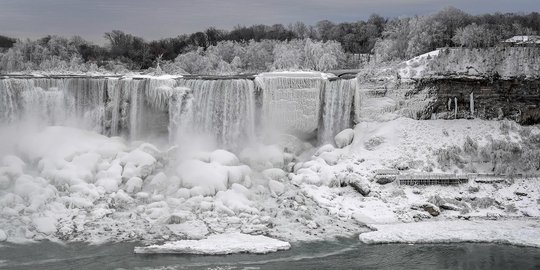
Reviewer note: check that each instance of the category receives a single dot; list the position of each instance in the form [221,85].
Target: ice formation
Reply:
[226,243]
[121,159]
[291,104]
[223,108]
[338,101]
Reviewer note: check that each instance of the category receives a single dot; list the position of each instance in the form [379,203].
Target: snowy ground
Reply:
[82,186]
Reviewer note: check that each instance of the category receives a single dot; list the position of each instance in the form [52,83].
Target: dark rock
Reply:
[430,208]
[520,193]
[361,186]
[385,179]
[451,207]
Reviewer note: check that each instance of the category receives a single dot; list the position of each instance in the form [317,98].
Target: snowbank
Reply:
[227,243]
[515,232]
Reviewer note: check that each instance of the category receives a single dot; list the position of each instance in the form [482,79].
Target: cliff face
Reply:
[515,99]
[493,83]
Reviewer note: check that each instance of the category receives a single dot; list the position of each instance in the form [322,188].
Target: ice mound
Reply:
[219,244]
[206,178]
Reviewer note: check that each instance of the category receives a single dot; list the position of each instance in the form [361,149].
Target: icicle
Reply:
[455,107]
[449,103]
[472,103]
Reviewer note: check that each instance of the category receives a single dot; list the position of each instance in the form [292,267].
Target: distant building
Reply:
[522,41]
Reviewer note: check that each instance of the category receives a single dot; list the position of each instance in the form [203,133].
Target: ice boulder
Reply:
[45,225]
[276,188]
[238,174]
[208,178]
[192,229]
[236,199]
[13,166]
[344,138]
[275,174]
[263,157]
[142,161]
[3,236]
[224,157]
[110,185]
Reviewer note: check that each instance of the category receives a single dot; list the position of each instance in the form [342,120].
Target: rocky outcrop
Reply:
[516,99]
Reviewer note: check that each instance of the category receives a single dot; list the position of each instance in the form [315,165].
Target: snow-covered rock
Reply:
[275,174]
[134,185]
[344,138]
[3,236]
[227,243]
[192,229]
[277,188]
[224,157]
[208,177]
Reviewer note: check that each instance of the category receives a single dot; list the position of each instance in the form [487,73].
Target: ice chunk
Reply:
[224,158]
[208,177]
[227,243]
[275,174]
[46,225]
[3,236]
[344,138]
[276,188]
[109,184]
[237,199]
[263,157]
[192,229]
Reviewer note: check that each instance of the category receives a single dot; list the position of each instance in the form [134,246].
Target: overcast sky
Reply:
[154,19]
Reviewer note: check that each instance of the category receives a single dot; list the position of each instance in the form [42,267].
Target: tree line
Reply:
[325,45]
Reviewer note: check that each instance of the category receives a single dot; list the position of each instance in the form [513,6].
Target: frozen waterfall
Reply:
[228,111]
[338,101]
[291,104]
[223,109]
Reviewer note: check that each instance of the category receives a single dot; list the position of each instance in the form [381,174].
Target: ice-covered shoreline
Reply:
[518,232]
[82,186]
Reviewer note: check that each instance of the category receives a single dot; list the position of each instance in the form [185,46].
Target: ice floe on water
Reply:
[226,243]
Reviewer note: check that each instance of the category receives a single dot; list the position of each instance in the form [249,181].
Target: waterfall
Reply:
[338,99]
[223,109]
[291,104]
[180,113]
[226,110]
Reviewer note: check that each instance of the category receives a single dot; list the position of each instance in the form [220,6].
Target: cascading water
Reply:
[223,109]
[291,104]
[338,101]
